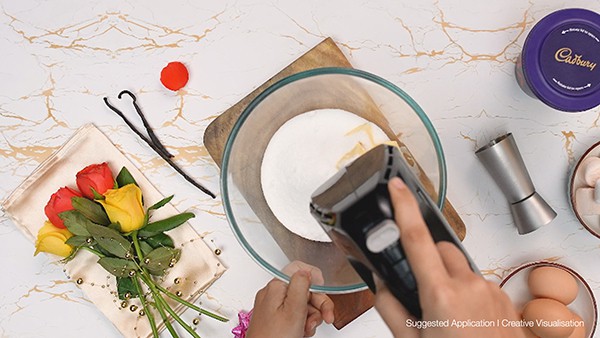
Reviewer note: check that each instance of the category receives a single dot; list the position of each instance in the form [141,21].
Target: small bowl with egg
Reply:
[554,300]
[294,136]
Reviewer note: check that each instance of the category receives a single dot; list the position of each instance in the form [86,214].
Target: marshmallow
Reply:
[584,202]
[591,170]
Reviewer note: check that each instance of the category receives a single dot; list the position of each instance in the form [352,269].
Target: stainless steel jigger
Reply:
[503,161]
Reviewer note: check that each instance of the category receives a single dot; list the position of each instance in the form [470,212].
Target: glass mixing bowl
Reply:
[253,221]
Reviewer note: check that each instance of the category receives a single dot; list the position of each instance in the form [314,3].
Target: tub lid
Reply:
[560,60]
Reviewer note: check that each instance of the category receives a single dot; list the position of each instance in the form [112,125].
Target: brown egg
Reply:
[529,333]
[554,283]
[579,331]
[548,314]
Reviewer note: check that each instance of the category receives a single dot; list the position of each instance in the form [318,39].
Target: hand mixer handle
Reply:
[385,252]
[354,208]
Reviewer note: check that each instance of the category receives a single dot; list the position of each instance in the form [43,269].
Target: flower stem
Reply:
[162,305]
[95,252]
[162,313]
[136,245]
[190,305]
[139,290]
[176,317]
[148,281]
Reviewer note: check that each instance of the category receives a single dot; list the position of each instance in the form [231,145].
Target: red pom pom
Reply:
[174,76]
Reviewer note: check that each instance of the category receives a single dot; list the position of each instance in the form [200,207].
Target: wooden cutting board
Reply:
[326,54]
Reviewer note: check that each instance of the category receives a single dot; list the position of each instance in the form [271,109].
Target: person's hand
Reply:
[448,288]
[290,311]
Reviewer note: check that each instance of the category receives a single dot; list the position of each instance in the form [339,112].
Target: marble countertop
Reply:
[455,58]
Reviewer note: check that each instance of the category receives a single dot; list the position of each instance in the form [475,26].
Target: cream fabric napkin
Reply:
[196,270]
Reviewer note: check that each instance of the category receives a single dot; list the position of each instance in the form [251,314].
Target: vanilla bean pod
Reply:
[153,139]
[153,142]
[149,129]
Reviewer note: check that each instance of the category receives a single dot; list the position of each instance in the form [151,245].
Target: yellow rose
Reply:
[124,206]
[52,240]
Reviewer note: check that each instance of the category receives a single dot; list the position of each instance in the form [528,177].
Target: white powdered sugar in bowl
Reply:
[305,152]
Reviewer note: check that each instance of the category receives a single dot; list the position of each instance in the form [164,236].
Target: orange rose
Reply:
[95,176]
[60,201]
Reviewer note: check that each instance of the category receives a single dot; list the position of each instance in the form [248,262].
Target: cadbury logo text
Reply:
[565,55]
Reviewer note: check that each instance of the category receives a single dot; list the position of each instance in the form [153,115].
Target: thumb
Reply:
[297,293]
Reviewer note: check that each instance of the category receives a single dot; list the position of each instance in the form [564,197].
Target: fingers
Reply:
[325,306]
[454,260]
[274,292]
[392,312]
[313,320]
[297,292]
[316,275]
[421,251]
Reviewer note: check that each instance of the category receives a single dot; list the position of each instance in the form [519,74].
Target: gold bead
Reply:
[124,304]
[147,261]
[196,321]
[79,281]
[127,295]
[178,293]
[142,313]
[217,251]
[133,308]
[132,273]
[177,280]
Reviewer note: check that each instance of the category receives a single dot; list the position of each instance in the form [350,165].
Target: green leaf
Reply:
[126,285]
[111,240]
[75,222]
[117,266]
[160,240]
[101,249]
[97,196]
[90,209]
[115,226]
[79,241]
[166,224]
[146,248]
[161,203]
[124,178]
[160,259]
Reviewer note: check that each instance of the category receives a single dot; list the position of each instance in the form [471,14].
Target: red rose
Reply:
[96,176]
[60,201]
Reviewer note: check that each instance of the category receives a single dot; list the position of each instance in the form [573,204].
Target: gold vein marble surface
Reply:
[456,58]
